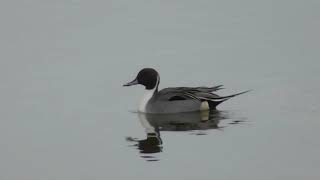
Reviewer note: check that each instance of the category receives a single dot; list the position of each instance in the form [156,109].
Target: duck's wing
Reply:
[193,93]
[206,89]
[187,93]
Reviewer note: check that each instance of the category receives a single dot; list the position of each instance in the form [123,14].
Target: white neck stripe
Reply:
[147,96]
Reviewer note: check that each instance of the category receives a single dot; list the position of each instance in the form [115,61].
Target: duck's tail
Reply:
[214,102]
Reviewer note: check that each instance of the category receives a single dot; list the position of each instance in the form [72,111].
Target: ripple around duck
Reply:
[197,123]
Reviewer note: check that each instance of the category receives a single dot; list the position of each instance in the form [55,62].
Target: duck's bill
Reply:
[134,82]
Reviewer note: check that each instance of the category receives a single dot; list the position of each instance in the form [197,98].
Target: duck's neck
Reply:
[147,96]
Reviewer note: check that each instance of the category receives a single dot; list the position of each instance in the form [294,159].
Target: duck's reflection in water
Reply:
[195,122]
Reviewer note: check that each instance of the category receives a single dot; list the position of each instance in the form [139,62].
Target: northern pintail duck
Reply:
[177,99]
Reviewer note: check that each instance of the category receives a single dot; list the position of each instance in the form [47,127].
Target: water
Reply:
[65,115]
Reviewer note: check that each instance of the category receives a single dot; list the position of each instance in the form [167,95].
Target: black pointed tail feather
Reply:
[213,103]
[233,95]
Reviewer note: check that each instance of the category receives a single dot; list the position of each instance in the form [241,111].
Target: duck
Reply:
[175,99]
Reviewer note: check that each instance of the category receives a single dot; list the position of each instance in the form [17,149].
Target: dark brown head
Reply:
[148,77]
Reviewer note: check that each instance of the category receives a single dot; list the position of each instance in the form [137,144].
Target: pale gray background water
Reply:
[65,115]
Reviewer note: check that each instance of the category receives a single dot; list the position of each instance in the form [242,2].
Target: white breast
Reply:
[145,99]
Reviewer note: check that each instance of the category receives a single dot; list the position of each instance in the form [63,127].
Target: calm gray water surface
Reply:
[65,115]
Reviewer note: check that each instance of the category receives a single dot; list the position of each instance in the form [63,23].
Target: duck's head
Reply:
[147,77]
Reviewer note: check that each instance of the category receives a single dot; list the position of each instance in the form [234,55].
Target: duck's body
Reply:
[175,100]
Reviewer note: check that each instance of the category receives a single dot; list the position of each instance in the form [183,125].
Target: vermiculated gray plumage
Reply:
[186,99]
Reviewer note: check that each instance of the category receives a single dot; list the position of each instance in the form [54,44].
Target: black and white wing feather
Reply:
[193,93]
